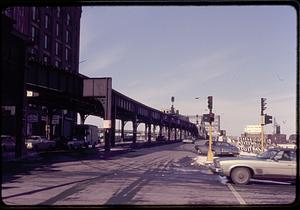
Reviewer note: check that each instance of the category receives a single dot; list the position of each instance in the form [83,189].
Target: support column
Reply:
[154,133]
[50,115]
[113,123]
[149,132]
[122,129]
[175,136]
[160,130]
[21,108]
[113,132]
[83,117]
[169,133]
[180,134]
[145,133]
[134,129]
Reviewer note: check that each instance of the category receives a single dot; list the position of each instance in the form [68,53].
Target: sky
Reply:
[237,54]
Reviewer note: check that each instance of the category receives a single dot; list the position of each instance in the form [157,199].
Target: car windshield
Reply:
[267,154]
[34,138]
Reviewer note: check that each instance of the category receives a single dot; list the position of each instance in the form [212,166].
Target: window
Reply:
[67,36]
[56,48]
[46,42]
[33,13]
[34,34]
[46,21]
[58,12]
[67,54]
[68,19]
[57,29]
[45,59]
[57,64]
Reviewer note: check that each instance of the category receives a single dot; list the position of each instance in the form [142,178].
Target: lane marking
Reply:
[236,194]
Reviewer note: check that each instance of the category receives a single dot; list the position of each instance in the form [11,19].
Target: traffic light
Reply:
[206,118]
[263,105]
[209,117]
[268,119]
[210,102]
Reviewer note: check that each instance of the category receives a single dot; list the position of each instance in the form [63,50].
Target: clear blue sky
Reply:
[237,54]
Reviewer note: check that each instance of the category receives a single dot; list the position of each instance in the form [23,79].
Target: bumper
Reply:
[216,170]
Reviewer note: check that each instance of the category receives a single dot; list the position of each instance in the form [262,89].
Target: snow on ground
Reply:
[201,161]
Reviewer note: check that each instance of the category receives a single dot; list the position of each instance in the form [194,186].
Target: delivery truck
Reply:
[89,133]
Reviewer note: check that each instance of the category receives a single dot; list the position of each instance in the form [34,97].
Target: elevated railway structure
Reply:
[60,89]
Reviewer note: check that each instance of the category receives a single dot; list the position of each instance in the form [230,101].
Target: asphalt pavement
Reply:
[153,176]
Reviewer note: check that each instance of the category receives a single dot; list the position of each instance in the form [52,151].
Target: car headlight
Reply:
[29,145]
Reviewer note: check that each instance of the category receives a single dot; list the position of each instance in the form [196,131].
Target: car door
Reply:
[281,166]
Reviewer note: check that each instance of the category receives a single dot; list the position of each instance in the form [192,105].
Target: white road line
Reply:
[236,194]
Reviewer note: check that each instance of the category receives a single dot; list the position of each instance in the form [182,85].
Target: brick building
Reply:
[55,32]
[55,36]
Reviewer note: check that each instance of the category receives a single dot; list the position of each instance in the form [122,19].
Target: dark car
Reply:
[161,138]
[218,148]
[8,143]
[61,142]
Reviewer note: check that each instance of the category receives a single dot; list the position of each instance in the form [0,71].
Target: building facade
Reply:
[55,36]
[55,32]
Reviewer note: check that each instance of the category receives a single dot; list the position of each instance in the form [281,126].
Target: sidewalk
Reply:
[119,148]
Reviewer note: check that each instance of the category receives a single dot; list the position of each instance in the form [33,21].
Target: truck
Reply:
[89,133]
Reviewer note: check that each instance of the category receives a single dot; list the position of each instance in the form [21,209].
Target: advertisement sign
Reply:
[32,118]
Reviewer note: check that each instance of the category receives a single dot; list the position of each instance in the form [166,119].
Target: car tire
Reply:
[35,148]
[240,175]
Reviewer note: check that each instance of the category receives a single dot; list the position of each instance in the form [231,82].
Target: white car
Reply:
[39,143]
[188,141]
[280,165]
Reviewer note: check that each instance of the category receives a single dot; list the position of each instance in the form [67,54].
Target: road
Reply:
[161,175]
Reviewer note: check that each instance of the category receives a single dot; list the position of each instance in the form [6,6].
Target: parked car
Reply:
[218,148]
[39,143]
[61,142]
[161,138]
[188,140]
[76,143]
[268,154]
[8,143]
[280,166]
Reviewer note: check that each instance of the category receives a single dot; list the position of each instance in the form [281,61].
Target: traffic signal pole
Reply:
[210,155]
[262,133]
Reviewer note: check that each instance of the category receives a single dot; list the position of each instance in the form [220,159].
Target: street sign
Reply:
[32,118]
[55,120]
[106,123]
